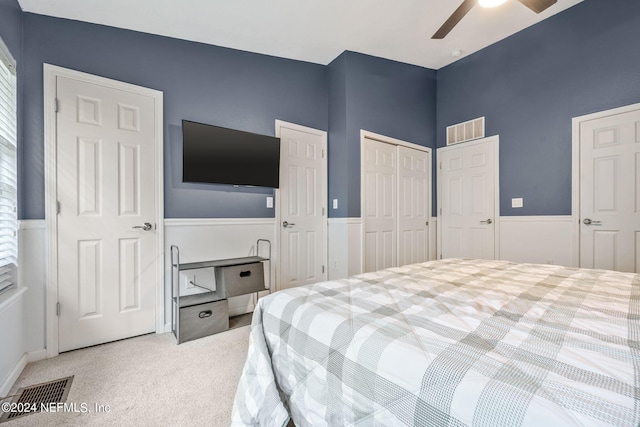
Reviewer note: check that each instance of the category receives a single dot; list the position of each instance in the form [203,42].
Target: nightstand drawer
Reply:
[240,279]
[200,320]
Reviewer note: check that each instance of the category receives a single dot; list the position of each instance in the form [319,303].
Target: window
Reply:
[8,170]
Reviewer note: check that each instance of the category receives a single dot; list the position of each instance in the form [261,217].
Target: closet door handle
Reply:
[488,221]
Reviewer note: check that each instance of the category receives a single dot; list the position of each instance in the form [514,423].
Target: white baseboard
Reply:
[167,328]
[13,376]
[11,379]
[34,356]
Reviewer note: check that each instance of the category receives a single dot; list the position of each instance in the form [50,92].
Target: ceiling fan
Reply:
[536,5]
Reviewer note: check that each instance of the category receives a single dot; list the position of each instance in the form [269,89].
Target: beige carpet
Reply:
[146,381]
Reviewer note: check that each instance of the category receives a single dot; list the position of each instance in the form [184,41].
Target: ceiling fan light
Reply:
[491,3]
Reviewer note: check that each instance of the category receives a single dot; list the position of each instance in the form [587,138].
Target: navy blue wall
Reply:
[529,87]
[382,96]
[200,82]
[337,145]
[11,35]
[11,27]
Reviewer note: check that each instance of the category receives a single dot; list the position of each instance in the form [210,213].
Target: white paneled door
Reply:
[380,209]
[107,208]
[414,207]
[468,196]
[303,196]
[396,202]
[610,192]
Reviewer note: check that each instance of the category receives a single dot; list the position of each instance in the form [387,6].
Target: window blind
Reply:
[8,170]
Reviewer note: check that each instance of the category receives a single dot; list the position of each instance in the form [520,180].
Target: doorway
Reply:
[103,149]
[302,200]
[606,184]
[468,198]
[395,202]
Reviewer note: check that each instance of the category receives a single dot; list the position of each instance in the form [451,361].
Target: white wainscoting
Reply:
[12,355]
[214,238]
[537,239]
[345,252]
[22,314]
[345,246]
[433,238]
[32,256]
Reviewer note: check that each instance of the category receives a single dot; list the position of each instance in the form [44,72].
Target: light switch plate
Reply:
[269,202]
[335,203]
[516,203]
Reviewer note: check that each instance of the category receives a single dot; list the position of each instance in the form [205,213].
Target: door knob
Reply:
[589,221]
[488,221]
[145,227]
[286,224]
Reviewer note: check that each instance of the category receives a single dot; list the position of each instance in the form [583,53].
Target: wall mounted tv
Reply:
[218,155]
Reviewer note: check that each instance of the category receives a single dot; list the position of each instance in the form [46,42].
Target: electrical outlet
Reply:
[516,202]
[189,280]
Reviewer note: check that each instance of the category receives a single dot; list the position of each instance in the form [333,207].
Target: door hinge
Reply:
[440,165]
[426,223]
[440,211]
[57,309]
[55,105]
[322,211]
[57,207]
[323,269]
[323,153]
[440,256]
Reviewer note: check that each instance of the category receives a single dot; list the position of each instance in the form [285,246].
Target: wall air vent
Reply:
[466,131]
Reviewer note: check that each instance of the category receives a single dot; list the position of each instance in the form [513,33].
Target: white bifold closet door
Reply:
[380,216]
[414,207]
[396,205]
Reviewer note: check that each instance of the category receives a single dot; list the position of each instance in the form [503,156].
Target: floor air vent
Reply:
[29,400]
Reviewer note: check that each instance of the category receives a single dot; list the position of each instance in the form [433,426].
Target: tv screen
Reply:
[213,154]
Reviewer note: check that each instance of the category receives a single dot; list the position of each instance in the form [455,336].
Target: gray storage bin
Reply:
[241,279]
[200,320]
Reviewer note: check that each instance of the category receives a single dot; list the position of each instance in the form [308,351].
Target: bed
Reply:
[454,342]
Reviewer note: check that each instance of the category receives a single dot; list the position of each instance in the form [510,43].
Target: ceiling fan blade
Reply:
[538,5]
[459,13]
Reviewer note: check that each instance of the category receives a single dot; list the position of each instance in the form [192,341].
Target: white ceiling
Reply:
[307,30]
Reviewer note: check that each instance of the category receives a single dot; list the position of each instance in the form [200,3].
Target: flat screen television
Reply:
[218,155]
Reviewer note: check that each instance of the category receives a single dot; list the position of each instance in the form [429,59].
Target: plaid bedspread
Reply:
[448,343]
